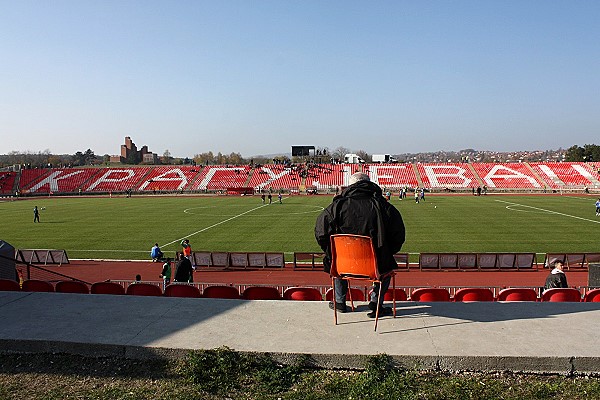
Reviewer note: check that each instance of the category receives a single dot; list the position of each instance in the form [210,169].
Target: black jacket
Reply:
[554,281]
[184,271]
[361,210]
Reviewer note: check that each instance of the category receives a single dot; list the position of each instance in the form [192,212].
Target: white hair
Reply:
[357,177]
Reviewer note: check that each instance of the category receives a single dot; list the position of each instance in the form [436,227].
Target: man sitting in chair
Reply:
[361,209]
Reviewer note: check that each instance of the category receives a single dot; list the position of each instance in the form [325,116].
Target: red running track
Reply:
[96,271]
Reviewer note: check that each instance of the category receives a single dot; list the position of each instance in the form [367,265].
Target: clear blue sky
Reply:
[257,77]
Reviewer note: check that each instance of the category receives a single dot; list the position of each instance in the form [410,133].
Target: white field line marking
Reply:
[549,211]
[214,225]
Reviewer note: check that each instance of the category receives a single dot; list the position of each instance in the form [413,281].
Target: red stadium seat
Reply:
[221,292]
[34,285]
[182,290]
[261,293]
[143,289]
[400,295]
[561,295]
[517,294]
[72,287]
[107,288]
[430,294]
[356,293]
[592,296]
[474,294]
[9,285]
[302,294]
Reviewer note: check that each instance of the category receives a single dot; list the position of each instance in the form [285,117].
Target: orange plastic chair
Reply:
[143,289]
[261,293]
[430,294]
[353,294]
[221,292]
[107,288]
[592,296]
[302,294]
[517,294]
[34,285]
[72,287]
[8,285]
[561,295]
[353,258]
[182,290]
[473,294]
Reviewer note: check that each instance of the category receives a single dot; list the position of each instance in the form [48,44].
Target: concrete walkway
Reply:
[534,337]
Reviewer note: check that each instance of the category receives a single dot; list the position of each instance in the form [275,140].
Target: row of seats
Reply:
[7,182]
[467,261]
[557,175]
[433,175]
[300,293]
[273,177]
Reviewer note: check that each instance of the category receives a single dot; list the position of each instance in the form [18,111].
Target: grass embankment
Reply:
[225,374]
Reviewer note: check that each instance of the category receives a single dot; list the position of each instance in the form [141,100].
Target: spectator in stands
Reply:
[138,279]
[36,214]
[156,254]
[166,273]
[361,209]
[557,277]
[183,270]
[187,249]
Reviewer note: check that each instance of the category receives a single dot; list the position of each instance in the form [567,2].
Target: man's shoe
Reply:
[340,307]
[383,311]
[372,306]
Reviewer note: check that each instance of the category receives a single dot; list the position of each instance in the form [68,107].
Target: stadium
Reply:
[220,210]
[169,271]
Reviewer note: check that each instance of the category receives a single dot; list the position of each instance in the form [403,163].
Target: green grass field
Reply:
[126,228]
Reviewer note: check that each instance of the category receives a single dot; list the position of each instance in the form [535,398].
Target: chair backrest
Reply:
[144,289]
[561,295]
[357,294]
[221,292]
[430,294]
[592,296]
[302,294]
[182,290]
[517,294]
[474,294]
[353,256]
[72,287]
[107,288]
[9,285]
[261,293]
[34,285]
[400,295]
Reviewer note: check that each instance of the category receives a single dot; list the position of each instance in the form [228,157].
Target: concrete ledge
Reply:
[424,336]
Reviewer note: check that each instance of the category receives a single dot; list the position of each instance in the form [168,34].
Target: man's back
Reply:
[362,210]
[184,271]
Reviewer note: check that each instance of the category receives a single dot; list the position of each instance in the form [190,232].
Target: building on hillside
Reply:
[143,155]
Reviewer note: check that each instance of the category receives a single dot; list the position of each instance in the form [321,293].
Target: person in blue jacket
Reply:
[156,254]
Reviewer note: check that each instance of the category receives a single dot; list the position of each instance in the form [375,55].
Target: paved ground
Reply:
[537,337]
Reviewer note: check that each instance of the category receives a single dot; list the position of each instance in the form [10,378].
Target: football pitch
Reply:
[126,228]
